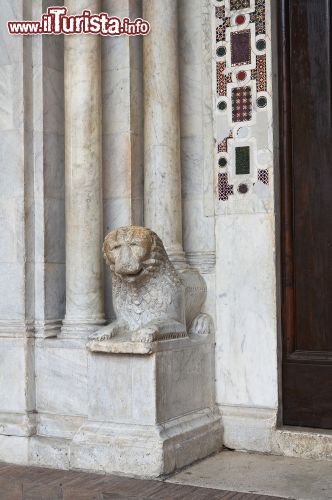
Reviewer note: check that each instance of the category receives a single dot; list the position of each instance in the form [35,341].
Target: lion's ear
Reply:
[106,251]
[157,245]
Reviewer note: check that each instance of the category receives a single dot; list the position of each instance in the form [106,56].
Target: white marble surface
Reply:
[70,384]
[145,389]
[248,428]
[54,425]
[127,391]
[122,88]
[149,450]
[12,246]
[12,375]
[196,144]
[83,174]
[246,349]
[246,296]
[47,138]
[16,266]
[184,381]
[14,449]
[61,380]
[162,161]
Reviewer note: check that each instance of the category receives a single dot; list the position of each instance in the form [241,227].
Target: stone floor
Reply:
[228,476]
[296,478]
[34,483]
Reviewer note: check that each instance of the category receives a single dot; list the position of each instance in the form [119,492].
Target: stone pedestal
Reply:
[150,411]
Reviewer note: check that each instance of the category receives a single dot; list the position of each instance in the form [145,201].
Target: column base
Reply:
[80,328]
[48,328]
[178,258]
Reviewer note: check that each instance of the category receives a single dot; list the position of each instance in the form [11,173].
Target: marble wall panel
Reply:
[10,46]
[12,270]
[11,157]
[14,450]
[246,342]
[12,289]
[61,379]
[14,393]
[8,244]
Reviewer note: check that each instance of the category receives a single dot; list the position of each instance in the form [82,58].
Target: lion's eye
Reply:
[133,245]
[116,247]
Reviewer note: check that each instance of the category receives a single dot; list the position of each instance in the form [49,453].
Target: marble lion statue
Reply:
[151,299]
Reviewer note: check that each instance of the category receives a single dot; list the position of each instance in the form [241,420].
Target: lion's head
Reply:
[133,252]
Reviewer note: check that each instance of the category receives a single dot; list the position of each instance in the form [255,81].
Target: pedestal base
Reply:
[151,407]
[146,451]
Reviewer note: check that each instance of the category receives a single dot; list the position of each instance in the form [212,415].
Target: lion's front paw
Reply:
[105,333]
[201,325]
[100,336]
[145,334]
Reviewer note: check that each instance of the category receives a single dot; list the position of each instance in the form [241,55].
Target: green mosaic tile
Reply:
[242,160]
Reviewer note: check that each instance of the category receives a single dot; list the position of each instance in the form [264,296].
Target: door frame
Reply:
[286,185]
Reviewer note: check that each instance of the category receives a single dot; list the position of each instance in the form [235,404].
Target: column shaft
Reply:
[162,196]
[84,297]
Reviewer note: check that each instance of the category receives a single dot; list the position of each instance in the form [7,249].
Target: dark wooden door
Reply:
[306,210]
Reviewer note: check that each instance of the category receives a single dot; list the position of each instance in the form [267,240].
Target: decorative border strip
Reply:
[243,105]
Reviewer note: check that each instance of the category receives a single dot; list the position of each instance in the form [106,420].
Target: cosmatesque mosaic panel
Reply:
[243,107]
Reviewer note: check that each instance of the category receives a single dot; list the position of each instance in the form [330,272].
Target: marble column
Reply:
[162,180]
[122,85]
[83,157]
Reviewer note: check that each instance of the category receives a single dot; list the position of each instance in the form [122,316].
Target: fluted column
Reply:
[84,297]
[162,181]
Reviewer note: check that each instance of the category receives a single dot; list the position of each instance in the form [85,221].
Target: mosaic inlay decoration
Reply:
[240,47]
[243,108]
[241,104]
[242,160]
[239,4]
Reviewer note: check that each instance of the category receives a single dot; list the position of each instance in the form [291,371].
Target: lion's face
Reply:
[128,251]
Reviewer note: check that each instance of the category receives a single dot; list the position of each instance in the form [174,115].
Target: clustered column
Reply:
[84,296]
[162,169]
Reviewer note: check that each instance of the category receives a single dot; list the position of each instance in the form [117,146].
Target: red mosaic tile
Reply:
[241,75]
[240,20]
